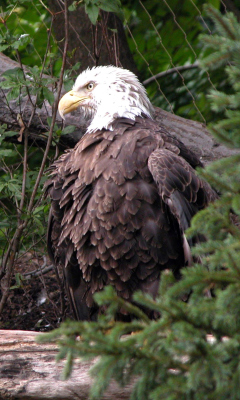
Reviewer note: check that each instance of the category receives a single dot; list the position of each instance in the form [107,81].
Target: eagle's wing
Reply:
[180,188]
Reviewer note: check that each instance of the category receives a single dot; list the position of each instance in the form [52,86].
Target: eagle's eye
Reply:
[90,86]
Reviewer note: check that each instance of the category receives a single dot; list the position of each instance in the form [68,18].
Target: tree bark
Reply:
[101,44]
[28,371]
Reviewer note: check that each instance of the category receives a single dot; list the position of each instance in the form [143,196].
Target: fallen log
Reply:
[29,371]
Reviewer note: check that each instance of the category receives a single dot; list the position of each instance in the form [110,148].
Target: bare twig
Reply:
[170,72]
[24,76]
[8,263]
[31,203]
[41,73]
[25,158]
[38,272]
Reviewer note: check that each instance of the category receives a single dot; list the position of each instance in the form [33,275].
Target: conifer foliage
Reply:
[193,350]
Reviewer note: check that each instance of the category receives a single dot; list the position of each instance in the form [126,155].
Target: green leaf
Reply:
[92,12]
[19,280]
[113,6]
[76,66]
[73,6]
[215,3]
[13,72]
[48,95]
[69,129]
[10,133]
[68,84]
[23,40]
[49,121]
[236,204]
[14,189]
[38,209]
[13,94]
[4,47]
[40,97]
[2,186]
[7,153]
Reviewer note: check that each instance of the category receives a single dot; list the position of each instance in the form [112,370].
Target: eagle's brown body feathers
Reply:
[121,201]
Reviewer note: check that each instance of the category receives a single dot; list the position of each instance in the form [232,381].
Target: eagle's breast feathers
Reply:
[121,201]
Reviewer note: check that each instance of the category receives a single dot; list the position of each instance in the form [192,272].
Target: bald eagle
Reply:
[122,199]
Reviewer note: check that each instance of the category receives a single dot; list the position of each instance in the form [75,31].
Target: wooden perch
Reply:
[28,371]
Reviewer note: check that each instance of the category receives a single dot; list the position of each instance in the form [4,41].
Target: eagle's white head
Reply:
[104,94]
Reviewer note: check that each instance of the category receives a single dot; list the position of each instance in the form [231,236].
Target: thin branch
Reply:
[41,73]
[171,71]
[8,263]
[31,203]
[24,76]
[25,158]
[38,272]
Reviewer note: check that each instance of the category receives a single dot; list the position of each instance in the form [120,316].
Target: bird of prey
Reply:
[122,199]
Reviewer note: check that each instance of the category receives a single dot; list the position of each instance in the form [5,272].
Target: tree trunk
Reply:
[92,45]
[29,371]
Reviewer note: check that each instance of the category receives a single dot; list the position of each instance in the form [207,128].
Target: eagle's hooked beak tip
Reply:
[70,102]
[61,113]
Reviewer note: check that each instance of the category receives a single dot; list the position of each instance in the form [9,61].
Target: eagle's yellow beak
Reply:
[70,102]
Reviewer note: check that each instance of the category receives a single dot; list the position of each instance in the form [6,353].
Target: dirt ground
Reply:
[37,302]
